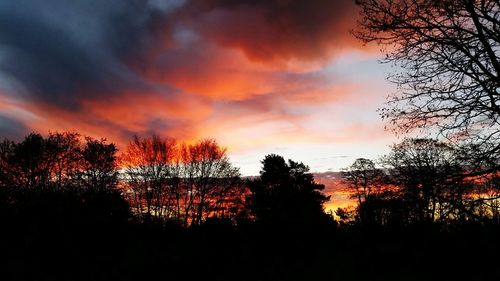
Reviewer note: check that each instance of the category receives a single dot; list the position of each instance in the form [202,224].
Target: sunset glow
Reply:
[249,140]
[259,76]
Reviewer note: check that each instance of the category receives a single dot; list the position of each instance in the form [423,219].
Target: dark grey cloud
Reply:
[59,52]
[56,51]
[11,128]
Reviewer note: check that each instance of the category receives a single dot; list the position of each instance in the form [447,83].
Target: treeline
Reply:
[76,208]
[420,181]
[160,179]
[424,181]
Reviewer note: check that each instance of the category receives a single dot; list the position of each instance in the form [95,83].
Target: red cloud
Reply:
[276,31]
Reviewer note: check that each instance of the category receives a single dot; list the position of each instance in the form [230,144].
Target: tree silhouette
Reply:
[286,193]
[148,164]
[33,162]
[61,165]
[213,185]
[64,214]
[187,183]
[98,167]
[59,204]
[363,179]
[58,160]
[448,53]
[427,173]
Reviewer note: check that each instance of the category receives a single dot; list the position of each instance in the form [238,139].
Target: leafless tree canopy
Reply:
[362,178]
[187,183]
[425,172]
[421,181]
[447,58]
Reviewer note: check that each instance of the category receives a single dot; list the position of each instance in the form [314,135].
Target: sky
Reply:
[259,76]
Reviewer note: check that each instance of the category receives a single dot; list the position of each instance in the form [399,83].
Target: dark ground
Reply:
[46,249]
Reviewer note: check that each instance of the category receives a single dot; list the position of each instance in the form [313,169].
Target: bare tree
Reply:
[211,181]
[187,183]
[362,178]
[428,175]
[147,164]
[447,53]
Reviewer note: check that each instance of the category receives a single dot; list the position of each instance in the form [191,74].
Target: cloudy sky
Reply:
[260,76]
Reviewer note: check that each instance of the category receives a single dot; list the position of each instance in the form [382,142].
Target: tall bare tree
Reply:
[362,178]
[187,183]
[147,166]
[428,175]
[447,53]
[211,181]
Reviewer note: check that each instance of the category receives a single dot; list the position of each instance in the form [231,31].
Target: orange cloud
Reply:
[134,112]
[226,74]
[251,73]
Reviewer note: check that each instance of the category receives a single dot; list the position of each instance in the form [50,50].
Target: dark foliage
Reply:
[421,181]
[286,193]
[64,216]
